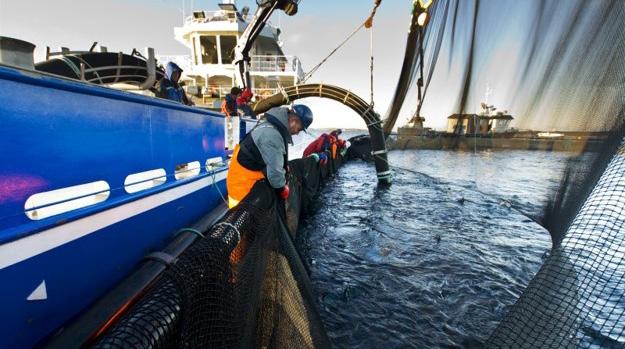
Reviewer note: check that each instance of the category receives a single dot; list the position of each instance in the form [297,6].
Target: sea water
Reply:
[436,259]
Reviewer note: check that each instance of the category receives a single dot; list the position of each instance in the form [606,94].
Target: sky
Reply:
[550,65]
[318,27]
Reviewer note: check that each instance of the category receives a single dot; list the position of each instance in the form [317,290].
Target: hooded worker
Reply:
[263,153]
[168,87]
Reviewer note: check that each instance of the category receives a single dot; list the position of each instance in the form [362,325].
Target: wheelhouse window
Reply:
[208,44]
[228,42]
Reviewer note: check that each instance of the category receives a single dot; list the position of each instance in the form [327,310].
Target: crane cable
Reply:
[314,69]
[367,24]
[370,27]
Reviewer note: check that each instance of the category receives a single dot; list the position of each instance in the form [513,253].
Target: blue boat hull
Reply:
[59,133]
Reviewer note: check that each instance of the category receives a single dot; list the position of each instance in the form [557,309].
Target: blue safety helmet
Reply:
[305,115]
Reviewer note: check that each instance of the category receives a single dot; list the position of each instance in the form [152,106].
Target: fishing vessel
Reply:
[212,36]
[97,172]
[103,186]
[92,179]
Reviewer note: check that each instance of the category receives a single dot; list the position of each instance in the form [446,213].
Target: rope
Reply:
[284,94]
[190,230]
[230,225]
[371,64]
[369,108]
[315,68]
[512,205]
[375,123]
[346,96]
[367,24]
[217,186]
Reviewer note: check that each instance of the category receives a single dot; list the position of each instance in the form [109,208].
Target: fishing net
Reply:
[577,298]
[556,67]
[559,68]
[241,285]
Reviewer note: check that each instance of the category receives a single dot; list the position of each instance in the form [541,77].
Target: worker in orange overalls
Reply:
[263,153]
[333,143]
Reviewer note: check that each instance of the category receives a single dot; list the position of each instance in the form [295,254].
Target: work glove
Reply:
[323,159]
[284,192]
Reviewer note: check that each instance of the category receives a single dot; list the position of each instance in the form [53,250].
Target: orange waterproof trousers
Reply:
[240,180]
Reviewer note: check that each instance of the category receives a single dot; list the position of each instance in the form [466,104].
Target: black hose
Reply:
[349,99]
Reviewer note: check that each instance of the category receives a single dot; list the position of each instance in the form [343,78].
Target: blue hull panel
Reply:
[58,133]
[79,272]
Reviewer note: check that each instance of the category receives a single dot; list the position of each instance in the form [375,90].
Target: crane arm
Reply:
[251,32]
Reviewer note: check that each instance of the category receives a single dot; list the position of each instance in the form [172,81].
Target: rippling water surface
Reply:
[434,260]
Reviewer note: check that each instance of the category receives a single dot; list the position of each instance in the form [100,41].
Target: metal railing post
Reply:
[151,67]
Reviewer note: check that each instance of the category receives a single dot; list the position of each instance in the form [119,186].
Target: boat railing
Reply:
[213,94]
[211,16]
[262,93]
[271,63]
[220,91]
[64,51]
[83,69]
[146,84]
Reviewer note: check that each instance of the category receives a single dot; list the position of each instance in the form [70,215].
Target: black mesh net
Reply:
[577,298]
[559,67]
[241,285]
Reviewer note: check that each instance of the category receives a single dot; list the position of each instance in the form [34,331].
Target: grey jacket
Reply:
[271,146]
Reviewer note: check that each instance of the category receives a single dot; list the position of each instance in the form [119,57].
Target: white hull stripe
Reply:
[19,250]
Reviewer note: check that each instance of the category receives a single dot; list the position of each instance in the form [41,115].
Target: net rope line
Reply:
[315,68]
[589,253]
[371,64]
[229,225]
[368,23]
[215,184]
[512,206]
[190,230]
